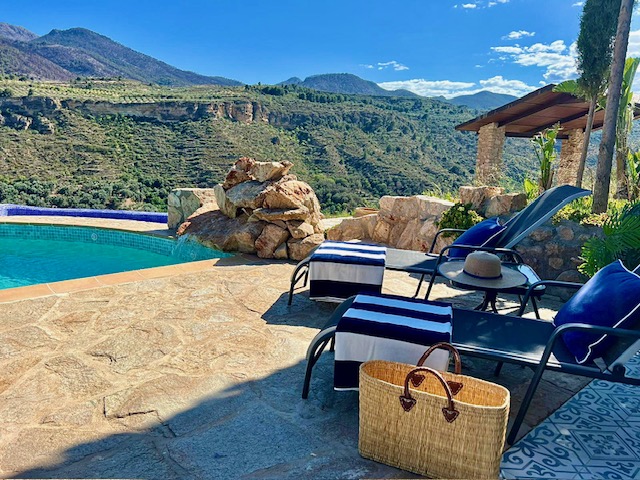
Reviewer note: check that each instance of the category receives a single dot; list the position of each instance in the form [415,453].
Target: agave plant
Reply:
[545,148]
[621,241]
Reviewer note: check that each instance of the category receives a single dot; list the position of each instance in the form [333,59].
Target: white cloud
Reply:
[515,50]
[578,4]
[398,67]
[469,5]
[517,34]
[559,63]
[365,65]
[449,88]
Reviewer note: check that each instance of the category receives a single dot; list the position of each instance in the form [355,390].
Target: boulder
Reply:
[216,230]
[291,194]
[235,177]
[381,231]
[431,206]
[478,196]
[263,171]
[362,211]
[300,229]
[183,202]
[504,204]
[360,228]
[225,205]
[409,239]
[270,239]
[247,195]
[299,249]
[398,208]
[281,252]
[273,214]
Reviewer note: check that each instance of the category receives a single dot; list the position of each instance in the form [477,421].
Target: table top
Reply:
[511,278]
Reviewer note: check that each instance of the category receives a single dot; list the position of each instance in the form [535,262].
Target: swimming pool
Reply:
[33,254]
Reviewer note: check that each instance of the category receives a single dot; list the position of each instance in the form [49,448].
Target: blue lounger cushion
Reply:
[610,299]
[483,234]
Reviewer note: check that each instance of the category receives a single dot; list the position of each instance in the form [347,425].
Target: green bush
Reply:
[579,211]
[621,241]
[461,215]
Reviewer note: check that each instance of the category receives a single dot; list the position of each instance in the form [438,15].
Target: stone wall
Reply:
[402,222]
[554,250]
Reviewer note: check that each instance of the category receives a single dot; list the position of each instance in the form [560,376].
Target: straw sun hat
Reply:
[484,270]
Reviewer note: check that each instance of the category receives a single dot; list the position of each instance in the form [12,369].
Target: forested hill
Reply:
[120,144]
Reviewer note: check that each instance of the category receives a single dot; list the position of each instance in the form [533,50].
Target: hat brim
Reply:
[454,271]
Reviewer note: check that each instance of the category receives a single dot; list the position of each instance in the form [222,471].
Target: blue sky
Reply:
[433,47]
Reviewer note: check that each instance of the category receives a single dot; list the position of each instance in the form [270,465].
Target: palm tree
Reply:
[605,155]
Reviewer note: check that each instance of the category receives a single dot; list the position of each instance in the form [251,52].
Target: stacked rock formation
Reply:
[260,208]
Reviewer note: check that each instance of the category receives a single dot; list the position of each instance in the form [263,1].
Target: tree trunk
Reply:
[622,151]
[585,145]
[605,154]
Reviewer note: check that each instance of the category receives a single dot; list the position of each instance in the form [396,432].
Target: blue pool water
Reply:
[33,254]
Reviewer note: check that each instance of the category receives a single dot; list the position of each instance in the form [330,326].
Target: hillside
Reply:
[484,101]
[346,83]
[125,145]
[64,54]
[15,33]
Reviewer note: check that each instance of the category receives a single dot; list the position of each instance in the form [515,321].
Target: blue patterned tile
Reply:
[596,434]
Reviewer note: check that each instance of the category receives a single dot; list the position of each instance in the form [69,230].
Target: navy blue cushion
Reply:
[484,234]
[610,299]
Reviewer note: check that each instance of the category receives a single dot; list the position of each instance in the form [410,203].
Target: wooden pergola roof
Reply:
[537,111]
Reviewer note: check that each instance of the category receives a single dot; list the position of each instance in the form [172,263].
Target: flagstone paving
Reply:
[195,375]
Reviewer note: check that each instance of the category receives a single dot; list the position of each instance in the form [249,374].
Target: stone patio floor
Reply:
[198,374]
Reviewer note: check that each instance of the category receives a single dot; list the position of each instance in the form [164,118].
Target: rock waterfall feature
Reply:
[260,208]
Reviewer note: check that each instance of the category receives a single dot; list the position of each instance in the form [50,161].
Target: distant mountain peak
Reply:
[65,54]
[484,100]
[15,33]
[345,83]
[291,81]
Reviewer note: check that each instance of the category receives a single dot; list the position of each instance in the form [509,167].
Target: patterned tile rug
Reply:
[595,435]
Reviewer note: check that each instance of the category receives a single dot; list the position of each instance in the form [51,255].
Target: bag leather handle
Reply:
[408,402]
[455,386]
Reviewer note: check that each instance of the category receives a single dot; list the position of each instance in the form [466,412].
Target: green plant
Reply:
[530,188]
[621,241]
[545,149]
[439,192]
[633,176]
[461,215]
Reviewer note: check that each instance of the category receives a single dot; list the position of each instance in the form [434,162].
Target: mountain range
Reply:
[63,55]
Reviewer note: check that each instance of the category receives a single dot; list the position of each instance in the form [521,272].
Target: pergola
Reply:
[526,117]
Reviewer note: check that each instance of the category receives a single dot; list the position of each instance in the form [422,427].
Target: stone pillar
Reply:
[489,158]
[570,158]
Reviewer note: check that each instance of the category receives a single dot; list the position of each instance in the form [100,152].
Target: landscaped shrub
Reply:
[621,241]
[461,215]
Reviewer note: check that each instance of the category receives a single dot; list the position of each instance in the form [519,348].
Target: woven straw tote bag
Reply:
[442,425]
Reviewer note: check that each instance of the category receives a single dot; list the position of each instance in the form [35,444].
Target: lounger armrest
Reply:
[546,283]
[440,232]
